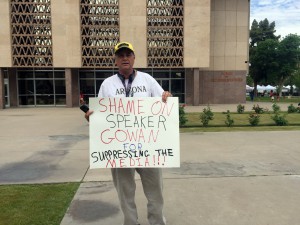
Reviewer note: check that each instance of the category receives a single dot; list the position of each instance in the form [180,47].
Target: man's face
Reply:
[125,59]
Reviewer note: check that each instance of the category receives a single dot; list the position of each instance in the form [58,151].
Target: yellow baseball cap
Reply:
[121,45]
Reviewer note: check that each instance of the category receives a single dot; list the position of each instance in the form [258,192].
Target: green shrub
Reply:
[292,108]
[258,109]
[276,108]
[229,121]
[279,120]
[240,108]
[182,116]
[206,116]
[254,119]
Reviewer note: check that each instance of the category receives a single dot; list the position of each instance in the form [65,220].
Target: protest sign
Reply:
[134,132]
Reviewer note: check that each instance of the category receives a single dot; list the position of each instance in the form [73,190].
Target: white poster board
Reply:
[134,132]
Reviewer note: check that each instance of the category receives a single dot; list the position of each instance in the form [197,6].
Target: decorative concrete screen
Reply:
[165,33]
[31,33]
[99,32]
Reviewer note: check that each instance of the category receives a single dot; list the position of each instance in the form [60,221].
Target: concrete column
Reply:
[133,28]
[13,90]
[196,87]
[5,34]
[66,46]
[189,86]
[72,92]
[68,75]
[2,97]
[197,22]
[75,87]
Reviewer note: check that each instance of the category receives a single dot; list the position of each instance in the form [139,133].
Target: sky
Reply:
[285,13]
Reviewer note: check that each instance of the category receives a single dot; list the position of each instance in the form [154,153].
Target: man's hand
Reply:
[165,95]
[87,115]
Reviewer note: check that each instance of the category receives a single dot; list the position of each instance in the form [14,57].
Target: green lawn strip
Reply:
[234,129]
[292,100]
[35,204]
[241,119]
[241,122]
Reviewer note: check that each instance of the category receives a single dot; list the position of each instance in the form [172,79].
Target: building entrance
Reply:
[41,87]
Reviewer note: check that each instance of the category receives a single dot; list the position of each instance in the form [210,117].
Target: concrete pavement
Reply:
[228,178]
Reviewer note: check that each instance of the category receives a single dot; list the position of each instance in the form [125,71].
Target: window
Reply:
[91,80]
[41,87]
[165,33]
[31,33]
[99,32]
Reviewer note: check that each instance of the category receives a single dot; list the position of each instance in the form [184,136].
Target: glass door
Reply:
[41,87]
[6,92]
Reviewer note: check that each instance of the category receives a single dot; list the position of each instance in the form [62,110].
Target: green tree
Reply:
[295,80]
[287,57]
[263,61]
[260,32]
[249,80]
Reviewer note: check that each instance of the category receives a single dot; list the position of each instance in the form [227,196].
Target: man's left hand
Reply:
[165,95]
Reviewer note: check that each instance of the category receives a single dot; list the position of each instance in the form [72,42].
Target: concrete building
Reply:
[51,50]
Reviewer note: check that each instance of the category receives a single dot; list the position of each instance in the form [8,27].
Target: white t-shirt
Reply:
[143,85]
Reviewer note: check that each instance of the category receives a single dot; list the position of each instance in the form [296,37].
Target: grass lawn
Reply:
[36,204]
[292,99]
[241,122]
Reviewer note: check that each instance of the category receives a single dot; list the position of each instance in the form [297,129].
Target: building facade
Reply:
[53,50]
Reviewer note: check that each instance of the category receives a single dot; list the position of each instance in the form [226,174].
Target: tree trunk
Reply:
[280,86]
[255,88]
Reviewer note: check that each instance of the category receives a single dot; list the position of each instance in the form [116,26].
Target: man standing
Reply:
[131,83]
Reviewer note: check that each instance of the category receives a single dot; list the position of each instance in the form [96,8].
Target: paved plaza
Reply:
[225,178]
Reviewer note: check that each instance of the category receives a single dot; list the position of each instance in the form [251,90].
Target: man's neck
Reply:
[126,73]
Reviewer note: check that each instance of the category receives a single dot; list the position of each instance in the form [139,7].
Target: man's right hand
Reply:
[87,115]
